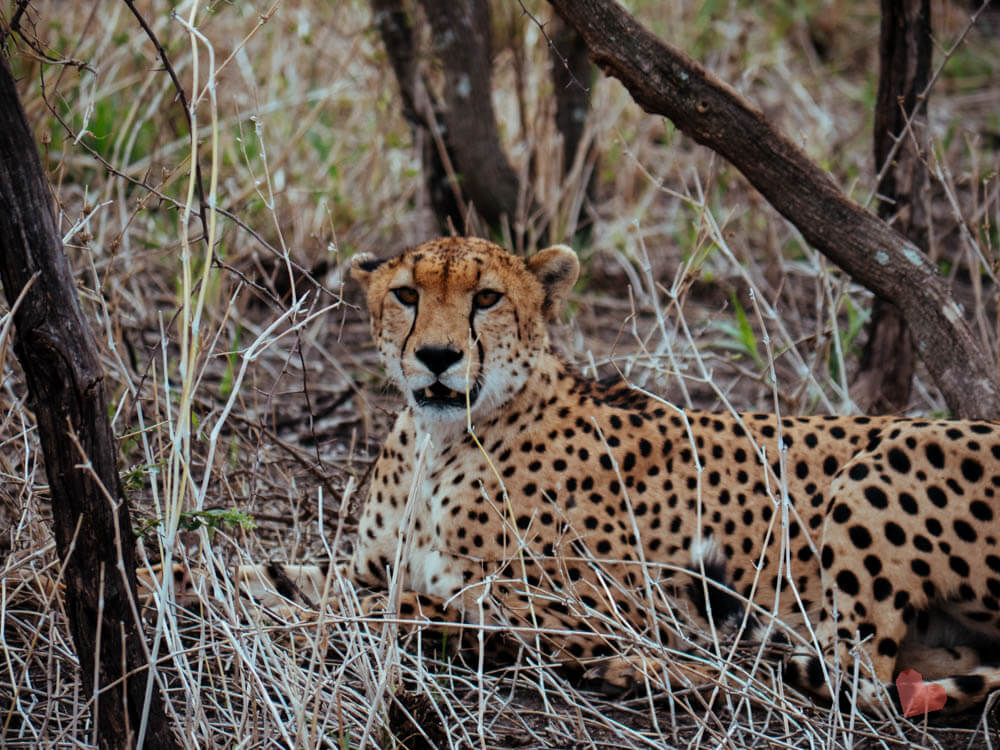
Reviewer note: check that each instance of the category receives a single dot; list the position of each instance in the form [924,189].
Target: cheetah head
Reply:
[459,323]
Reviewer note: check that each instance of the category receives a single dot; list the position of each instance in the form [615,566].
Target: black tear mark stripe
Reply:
[416,308]
[413,325]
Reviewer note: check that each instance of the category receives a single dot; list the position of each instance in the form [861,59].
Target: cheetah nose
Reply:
[438,358]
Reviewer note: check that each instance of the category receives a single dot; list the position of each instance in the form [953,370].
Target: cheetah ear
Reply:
[557,268]
[362,266]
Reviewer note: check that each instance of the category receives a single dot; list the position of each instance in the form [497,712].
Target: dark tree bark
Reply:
[666,82]
[572,76]
[422,111]
[460,30]
[464,121]
[464,162]
[885,375]
[63,373]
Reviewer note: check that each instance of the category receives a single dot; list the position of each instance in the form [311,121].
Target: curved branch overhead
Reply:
[666,82]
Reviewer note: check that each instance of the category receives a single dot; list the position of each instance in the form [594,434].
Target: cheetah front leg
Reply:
[630,672]
[288,590]
[48,586]
[283,588]
[502,618]
[297,592]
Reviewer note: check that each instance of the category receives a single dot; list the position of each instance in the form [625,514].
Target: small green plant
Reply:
[134,478]
[212,519]
[857,317]
[739,336]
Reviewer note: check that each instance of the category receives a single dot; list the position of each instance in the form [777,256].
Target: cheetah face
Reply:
[459,322]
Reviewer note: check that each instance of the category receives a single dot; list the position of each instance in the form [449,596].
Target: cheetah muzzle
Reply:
[440,396]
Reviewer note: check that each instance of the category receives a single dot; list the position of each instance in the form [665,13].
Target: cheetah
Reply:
[513,492]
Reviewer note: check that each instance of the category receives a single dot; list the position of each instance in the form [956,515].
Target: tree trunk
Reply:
[666,82]
[572,77]
[421,109]
[886,372]
[461,33]
[63,373]
[464,123]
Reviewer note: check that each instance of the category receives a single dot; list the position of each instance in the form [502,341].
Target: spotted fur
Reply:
[517,493]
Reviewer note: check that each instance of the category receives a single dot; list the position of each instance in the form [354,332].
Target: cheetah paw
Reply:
[625,673]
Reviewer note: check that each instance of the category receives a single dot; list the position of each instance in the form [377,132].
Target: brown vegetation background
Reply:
[249,404]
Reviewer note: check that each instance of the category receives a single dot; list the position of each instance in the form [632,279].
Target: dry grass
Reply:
[243,385]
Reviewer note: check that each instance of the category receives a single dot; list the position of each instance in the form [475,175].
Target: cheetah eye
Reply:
[406,295]
[485,298]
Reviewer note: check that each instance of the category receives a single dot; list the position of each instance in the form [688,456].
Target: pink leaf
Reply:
[918,697]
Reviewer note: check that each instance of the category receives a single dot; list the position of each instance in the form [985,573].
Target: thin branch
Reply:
[153,190]
[184,105]
[921,97]
[552,46]
[15,22]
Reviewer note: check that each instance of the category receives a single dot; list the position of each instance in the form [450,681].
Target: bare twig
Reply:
[168,66]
